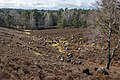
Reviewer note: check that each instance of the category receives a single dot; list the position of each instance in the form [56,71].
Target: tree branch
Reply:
[113,53]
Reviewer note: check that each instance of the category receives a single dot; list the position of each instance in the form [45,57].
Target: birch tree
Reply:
[108,21]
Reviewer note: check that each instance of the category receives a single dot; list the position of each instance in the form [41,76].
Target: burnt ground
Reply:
[55,54]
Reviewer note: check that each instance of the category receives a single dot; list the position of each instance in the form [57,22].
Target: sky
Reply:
[46,4]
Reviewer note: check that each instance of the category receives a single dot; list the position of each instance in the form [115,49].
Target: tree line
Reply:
[33,19]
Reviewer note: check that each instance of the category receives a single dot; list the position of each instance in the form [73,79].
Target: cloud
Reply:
[45,4]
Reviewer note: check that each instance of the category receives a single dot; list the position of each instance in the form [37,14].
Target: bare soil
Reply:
[43,55]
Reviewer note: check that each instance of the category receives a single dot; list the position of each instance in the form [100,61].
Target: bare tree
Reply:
[108,21]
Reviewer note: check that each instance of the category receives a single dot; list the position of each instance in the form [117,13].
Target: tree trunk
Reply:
[109,46]
[109,55]
[109,61]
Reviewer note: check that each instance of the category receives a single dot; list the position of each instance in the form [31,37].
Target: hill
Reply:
[51,55]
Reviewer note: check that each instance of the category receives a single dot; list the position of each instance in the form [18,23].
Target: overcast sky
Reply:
[45,4]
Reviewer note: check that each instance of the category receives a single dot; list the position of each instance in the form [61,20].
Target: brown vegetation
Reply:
[29,55]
